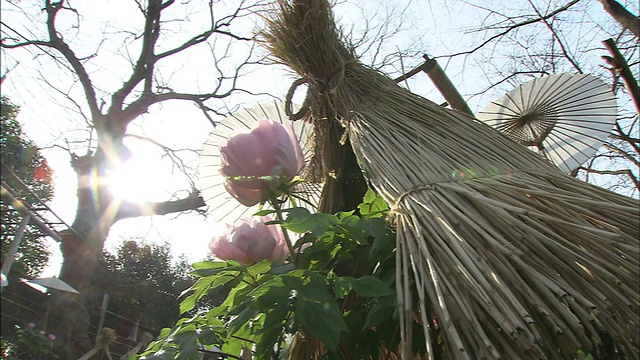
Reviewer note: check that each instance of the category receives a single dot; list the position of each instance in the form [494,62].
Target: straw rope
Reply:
[509,258]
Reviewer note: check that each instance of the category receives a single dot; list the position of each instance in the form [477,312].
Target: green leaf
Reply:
[272,330]
[207,336]
[242,318]
[322,319]
[187,337]
[372,205]
[259,268]
[300,220]
[370,286]
[342,286]
[264,212]
[214,270]
[381,311]
[384,241]
[369,196]
[281,269]
[201,287]
[297,220]
[209,265]
[316,288]
[270,293]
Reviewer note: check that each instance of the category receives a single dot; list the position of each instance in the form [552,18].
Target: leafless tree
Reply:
[148,47]
[528,39]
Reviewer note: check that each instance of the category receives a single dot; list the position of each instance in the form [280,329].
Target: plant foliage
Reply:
[339,290]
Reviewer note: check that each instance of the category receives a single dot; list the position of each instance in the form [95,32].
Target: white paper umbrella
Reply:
[564,117]
[225,208]
[53,283]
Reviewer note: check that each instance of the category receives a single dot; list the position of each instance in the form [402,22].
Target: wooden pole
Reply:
[103,312]
[445,86]
[442,83]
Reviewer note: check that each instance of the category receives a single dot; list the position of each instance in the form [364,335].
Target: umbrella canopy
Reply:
[54,283]
[224,207]
[564,117]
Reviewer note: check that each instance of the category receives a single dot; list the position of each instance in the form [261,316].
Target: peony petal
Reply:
[247,197]
[225,250]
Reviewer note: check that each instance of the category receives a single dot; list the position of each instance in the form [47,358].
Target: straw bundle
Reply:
[509,257]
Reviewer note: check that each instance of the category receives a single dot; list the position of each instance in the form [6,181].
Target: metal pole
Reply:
[17,238]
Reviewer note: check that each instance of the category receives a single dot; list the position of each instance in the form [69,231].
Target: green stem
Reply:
[287,240]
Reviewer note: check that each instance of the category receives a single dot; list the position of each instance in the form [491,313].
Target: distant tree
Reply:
[143,283]
[147,69]
[522,40]
[21,156]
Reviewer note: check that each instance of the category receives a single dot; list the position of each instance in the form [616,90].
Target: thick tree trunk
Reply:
[82,249]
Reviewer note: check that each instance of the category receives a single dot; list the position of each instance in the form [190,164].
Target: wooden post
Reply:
[103,312]
[445,86]
[442,83]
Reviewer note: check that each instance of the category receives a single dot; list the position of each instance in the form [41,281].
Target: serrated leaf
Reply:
[370,286]
[372,205]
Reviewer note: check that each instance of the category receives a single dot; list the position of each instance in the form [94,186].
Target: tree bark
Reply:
[82,248]
[623,16]
[619,64]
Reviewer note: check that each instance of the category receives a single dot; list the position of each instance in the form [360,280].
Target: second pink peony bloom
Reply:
[264,158]
[250,241]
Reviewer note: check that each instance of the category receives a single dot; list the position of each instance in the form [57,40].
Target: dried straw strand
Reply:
[513,258]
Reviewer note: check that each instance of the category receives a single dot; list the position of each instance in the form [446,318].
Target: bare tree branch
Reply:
[58,43]
[618,62]
[513,27]
[625,172]
[130,209]
[622,16]
[557,38]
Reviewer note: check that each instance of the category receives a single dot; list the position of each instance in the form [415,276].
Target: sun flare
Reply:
[144,177]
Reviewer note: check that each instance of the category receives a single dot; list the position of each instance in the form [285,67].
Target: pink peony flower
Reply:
[266,157]
[42,332]
[51,337]
[31,325]
[250,241]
